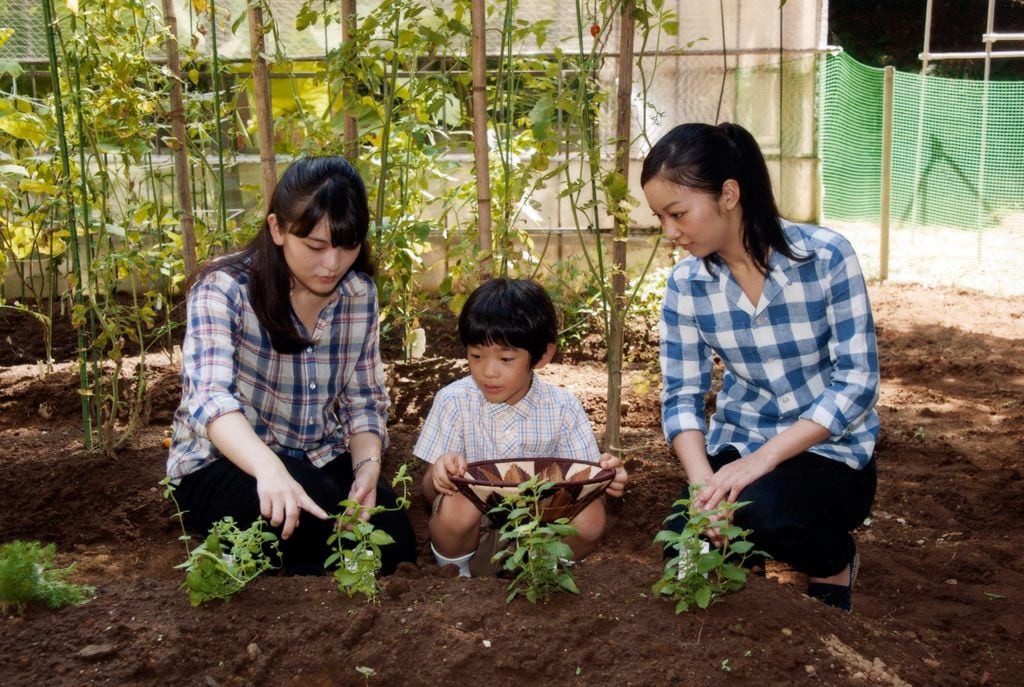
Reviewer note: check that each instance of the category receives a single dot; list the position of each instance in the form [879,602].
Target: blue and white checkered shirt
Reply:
[302,405]
[807,350]
[548,422]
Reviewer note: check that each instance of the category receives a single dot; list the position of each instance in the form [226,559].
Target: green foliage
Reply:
[356,542]
[228,560]
[573,288]
[404,75]
[405,106]
[27,574]
[535,549]
[697,575]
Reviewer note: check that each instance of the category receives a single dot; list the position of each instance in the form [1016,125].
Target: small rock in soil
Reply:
[95,652]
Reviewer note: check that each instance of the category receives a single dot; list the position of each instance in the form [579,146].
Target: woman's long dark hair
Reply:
[311,189]
[703,157]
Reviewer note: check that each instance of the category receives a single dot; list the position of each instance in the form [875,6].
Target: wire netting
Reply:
[957,185]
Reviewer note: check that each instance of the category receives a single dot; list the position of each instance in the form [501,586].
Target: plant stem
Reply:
[58,103]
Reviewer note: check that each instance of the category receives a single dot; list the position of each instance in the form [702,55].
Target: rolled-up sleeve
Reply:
[363,403]
[685,364]
[854,385]
[209,368]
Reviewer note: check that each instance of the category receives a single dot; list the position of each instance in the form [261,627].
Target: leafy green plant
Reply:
[536,548]
[697,574]
[228,560]
[356,542]
[27,574]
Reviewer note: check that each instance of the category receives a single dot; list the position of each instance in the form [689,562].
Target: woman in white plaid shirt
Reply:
[283,408]
[785,308]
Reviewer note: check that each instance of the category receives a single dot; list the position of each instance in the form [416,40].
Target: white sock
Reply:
[462,562]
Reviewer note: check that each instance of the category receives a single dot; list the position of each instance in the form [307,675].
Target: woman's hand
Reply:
[732,479]
[445,466]
[282,498]
[618,485]
[364,486]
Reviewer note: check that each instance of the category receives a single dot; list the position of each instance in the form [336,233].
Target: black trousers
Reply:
[803,511]
[221,489]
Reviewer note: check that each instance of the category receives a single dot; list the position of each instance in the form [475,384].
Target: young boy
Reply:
[503,410]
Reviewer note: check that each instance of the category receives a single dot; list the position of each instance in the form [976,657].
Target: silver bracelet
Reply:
[364,461]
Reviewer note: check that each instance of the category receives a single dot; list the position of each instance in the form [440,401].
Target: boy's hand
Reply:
[445,466]
[618,486]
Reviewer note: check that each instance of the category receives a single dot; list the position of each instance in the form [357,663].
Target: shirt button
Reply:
[309,349]
[312,385]
[312,421]
[785,399]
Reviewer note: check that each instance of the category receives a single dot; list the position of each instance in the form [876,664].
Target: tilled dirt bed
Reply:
[938,600]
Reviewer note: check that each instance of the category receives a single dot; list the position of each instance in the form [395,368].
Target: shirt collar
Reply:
[777,262]
[798,242]
[523,407]
[353,284]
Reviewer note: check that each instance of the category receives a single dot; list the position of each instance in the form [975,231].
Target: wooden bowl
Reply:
[576,483]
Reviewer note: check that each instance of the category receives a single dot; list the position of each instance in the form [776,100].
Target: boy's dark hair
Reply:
[510,312]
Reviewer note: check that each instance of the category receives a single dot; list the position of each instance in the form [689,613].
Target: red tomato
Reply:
[595,29]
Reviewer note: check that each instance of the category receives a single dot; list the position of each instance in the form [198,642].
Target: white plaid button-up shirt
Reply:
[548,422]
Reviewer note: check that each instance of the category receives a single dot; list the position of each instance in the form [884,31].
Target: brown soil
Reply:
[938,600]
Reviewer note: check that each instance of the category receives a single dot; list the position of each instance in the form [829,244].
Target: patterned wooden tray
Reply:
[576,483]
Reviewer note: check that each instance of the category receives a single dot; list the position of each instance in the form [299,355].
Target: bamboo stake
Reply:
[180,152]
[480,147]
[351,130]
[76,267]
[261,89]
[624,111]
[886,181]
[222,183]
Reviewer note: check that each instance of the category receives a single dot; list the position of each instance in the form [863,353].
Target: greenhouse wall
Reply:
[753,63]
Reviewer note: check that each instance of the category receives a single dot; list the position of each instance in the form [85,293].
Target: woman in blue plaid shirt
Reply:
[283,408]
[785,308]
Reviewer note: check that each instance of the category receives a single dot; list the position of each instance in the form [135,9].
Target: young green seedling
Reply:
[228,560]
[27,574]
[356,542]
[697,574]
[536,549]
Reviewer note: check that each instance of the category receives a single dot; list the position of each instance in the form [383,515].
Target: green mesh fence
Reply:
[954,164]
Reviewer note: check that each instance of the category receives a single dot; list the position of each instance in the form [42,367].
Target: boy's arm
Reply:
[576,440]
[618,486]
[437,476]
[580,443]
[441,445]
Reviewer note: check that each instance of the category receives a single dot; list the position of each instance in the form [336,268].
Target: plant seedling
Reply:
[228,560]
[697,574]
[535,548]
[356,542]
[27,574]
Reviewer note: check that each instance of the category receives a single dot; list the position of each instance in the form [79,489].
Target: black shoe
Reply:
[838,595]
